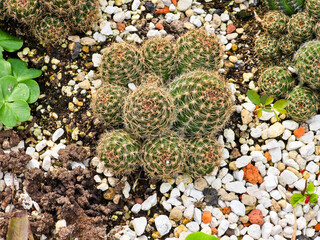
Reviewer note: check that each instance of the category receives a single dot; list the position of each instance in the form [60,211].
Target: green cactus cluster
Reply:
[276,81]
[300,27]
[317,30]
[287,45]
[50,16]
[275,22]
[289,7]
[313,8]
[267,47]
[162,109]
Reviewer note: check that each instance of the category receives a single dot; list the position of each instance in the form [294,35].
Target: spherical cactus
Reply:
[149,111]
[22,10]
[107,103]
[300,27]
[159,57]
[275,22]
[303,103]
[199,49]
[164,156]
[151,78]
[287,45]
[119,151]
[289,7]
[313,8]
[276,81]
[267,47]
[317,30]
[204,155]
[308,63]
[85,14]
[203,100]
[51,30]
[121,64]
[59,7]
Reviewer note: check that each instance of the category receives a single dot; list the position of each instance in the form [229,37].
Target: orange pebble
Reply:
[317,227]
[299,132]
[214,230]
[174,2]
[267,156]
[159,26]
[206,217]
[121,26]
[246,224]
[226,210]
[163,10]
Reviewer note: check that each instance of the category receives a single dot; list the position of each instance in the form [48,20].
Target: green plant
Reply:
[107,103]
[267,47]
[151,78]
[317,30]
[306,196]
[164,156]
[303,103]
[201,236]
[289,7]
[300,27]
[149,111]
[204,155]
[308,63]
[159,57]
[59,7]
[9,43]
[276,81]
[119,151]
[51,30]
[275,22]
[313,8]
[22,10]
[204,102]
[121,64]
[287,45]
[199,49]
[264,104]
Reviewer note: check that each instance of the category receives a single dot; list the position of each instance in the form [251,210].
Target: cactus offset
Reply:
[107,103]
[276,81]
[159,57]
[151,78]
[164,156]
[149,111]
[317,30]
[22,10]
[308,63]
[203,100]
[119,151]
[59,7]
[51,30]
[287,45]
[121,64]
[199,49]
[303,103]
[313,8]
[289,7]
[275,22]
[300,27]
[205,154]
[267,47]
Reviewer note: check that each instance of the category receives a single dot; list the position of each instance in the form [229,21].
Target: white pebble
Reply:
[163,224]
[139,225]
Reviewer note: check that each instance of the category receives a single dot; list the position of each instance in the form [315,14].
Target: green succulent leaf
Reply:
[7,84]
[267,110]
[259,112]
[263,99]
[310,189]
[34,90]
[280,110]
[5,68]
[10,43]
[1,52]
[296,198]
[200,236]
[20,92]
[21,71]
[282,103]
[269,100]
[254,97]
[314,198]
[7,116]
[21,110]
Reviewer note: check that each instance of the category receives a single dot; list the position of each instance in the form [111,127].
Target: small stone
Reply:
[87,41]
[224,17]
[251,174]
[57,134]
[183,5]
[287,177]
[223,227]
[175,214]
[163,224]
[233,59]
[237,187]
[46,163]
[139,225]
[275,130]
[271,182]
[254,231]
[193,226]
[237,207]
[216,21]
[243,161]
[135,5]
[41,145]
[230,28]
[256,217]
[206,217]
[200,184]
[85,84]
[314,123]
[165,187]
[60,224]
[248,200]
[290,124]
[181,228]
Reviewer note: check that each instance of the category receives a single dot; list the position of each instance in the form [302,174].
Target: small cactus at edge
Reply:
[107,103]
[119,151]
[149,111]
[267,47]
[205,154]
[300,27]
[317,30]
[121,64]
[313,8]
[22,10]
[287,45]
[164,156]
[275,22]
[289,7]
[276,81]
[303,103]
[204,102]
[60,7]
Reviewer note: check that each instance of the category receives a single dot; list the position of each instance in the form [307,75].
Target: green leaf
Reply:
[7,116]
[275,113]
[20,92]
[310,189]
[314,198]
[200,236]
[5,68]
[33,88]
[280,110]
[296,198]
[267,110]
[21,71]
[1,52]
[259,112]
[10,43]
[19,227]
[263,99]
[7,84]
[1,103]
[254,97]
[282,103]
[269,100]
[21,110]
